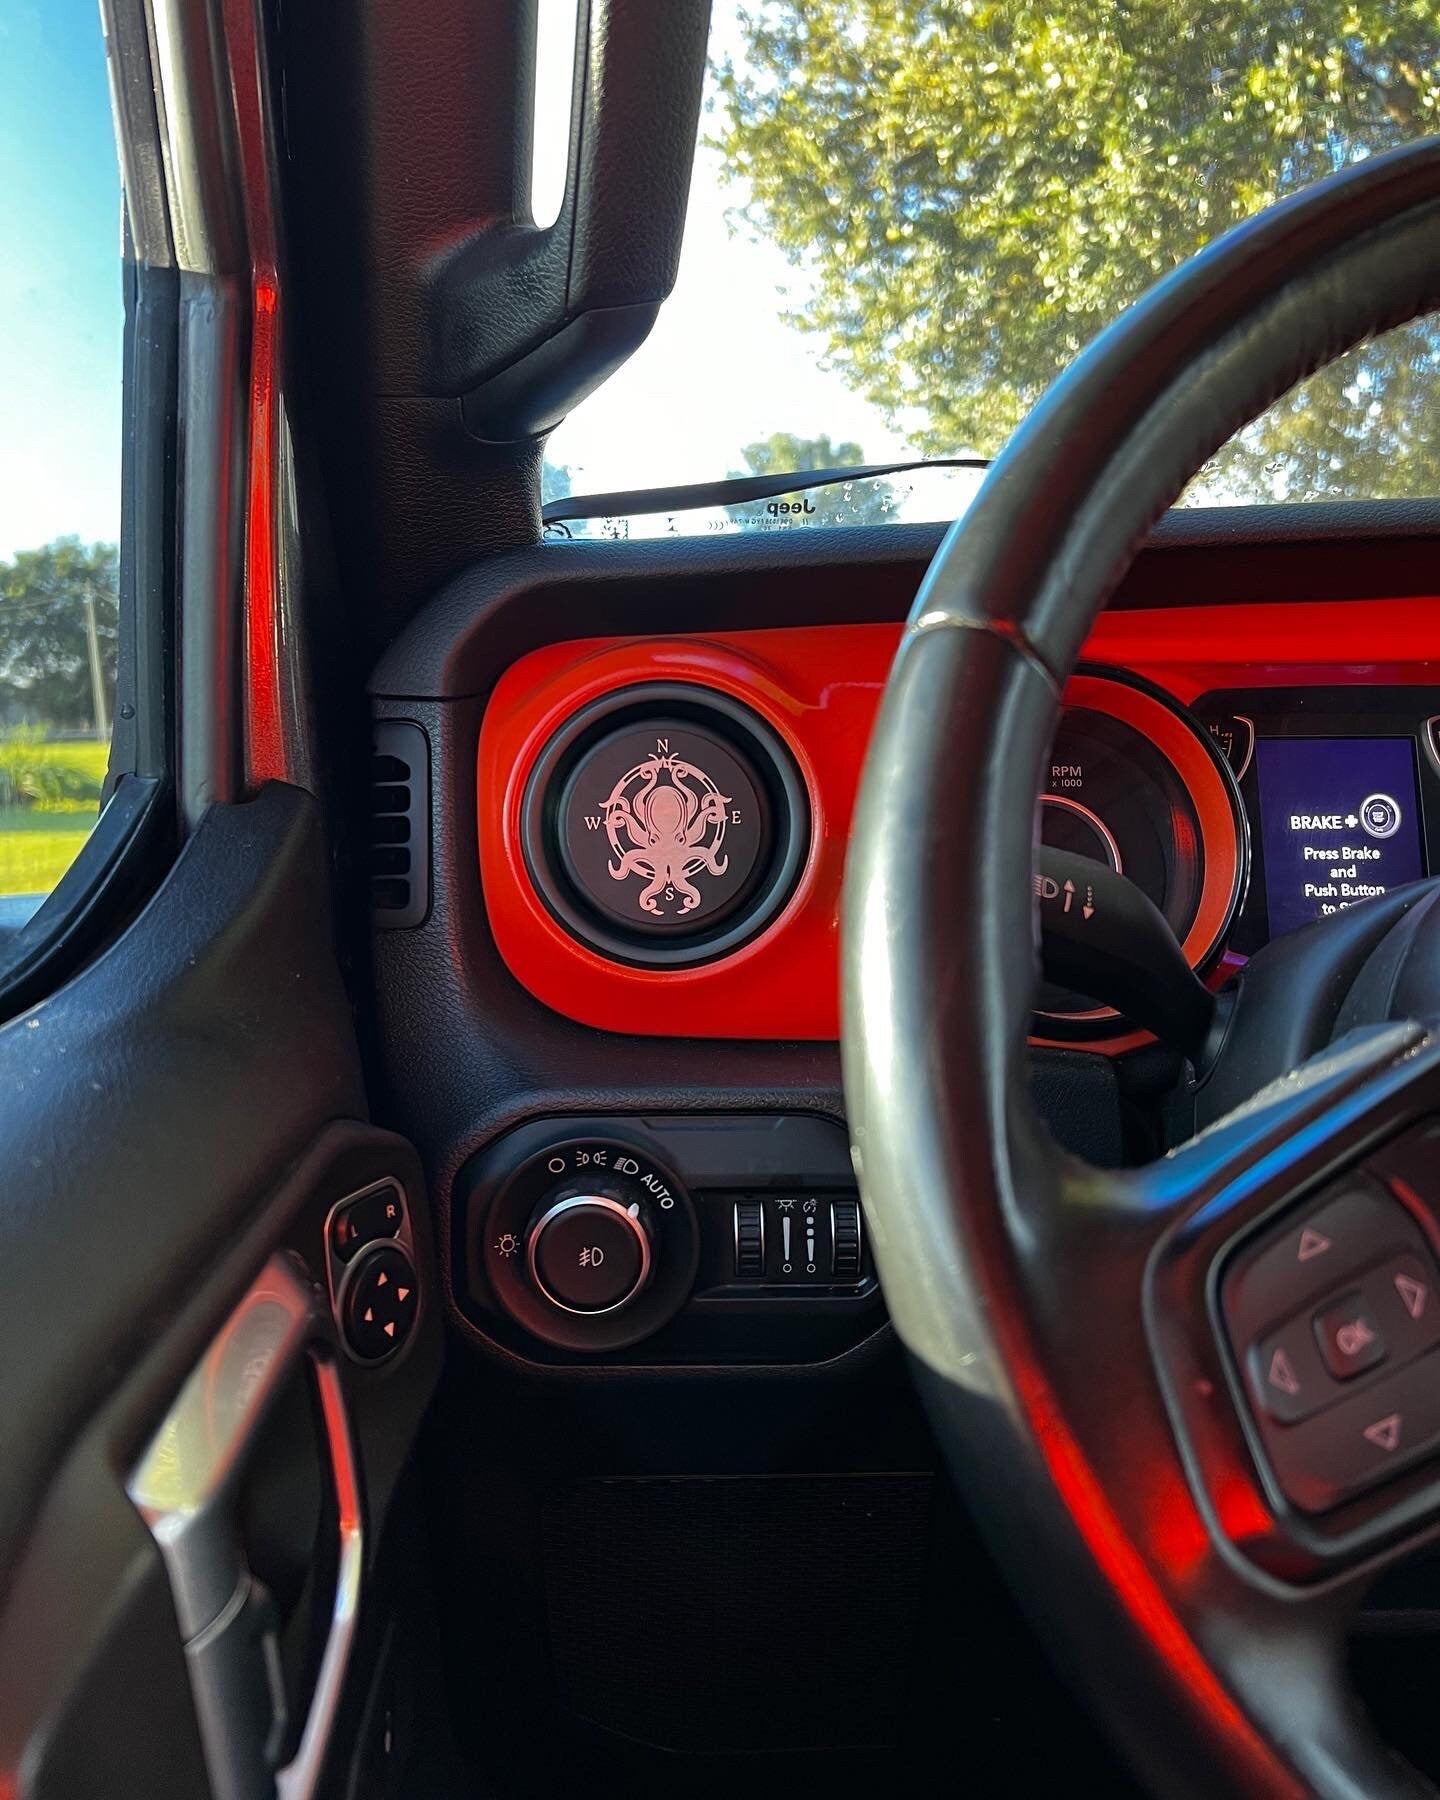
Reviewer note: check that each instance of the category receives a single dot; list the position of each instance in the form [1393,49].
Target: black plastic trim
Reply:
[404,742]
[142,732]
[485,618]
[526,321]
[133,839]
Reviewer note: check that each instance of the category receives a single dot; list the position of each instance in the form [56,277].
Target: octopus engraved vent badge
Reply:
[666,821]
[665,834]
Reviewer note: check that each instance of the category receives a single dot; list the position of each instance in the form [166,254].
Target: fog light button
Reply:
[589,1253]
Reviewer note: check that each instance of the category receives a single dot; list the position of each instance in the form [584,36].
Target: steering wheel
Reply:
[1087,1341]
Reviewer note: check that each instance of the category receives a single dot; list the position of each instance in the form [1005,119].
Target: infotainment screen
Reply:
[1339,822]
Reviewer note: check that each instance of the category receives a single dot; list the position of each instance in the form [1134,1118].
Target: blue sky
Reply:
[60,297]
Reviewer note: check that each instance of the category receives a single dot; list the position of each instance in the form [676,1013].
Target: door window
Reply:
[61,357]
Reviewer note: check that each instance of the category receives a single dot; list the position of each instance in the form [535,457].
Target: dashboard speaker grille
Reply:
[399,848]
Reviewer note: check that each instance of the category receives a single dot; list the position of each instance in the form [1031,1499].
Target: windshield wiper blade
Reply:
[734,490]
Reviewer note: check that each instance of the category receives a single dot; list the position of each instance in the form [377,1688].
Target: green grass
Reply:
[56,789]
[89,756]
[36,848]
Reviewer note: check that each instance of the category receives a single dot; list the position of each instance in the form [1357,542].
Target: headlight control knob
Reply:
[589,1253]
[589,1242]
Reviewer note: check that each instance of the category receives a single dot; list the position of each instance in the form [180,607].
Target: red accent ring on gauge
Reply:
[1222,849]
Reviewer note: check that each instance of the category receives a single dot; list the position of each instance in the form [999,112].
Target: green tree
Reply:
[849,503]
[46,597]
[976,187]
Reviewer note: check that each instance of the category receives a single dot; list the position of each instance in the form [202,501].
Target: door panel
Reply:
[189,1104]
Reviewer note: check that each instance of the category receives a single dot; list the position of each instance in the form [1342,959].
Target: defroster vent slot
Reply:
[399,848]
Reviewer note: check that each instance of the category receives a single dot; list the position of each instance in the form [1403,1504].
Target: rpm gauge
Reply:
[1135,783]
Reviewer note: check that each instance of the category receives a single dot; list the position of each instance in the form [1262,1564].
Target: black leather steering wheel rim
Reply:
[1216,1677]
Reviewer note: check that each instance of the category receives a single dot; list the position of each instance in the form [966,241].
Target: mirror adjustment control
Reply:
[372,1271]
[377,1213]
[589,1253]
[380,1304]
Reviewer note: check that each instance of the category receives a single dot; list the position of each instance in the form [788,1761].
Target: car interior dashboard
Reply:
[679,1133]
[637,838]
[614,785]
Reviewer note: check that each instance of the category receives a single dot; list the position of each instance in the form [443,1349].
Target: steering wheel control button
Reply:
[1385,1434]
[1334,1316]
[1312,1243]
[381,1304]
[1400,1293]
[1359,1443]
[589,1253]
[1414,1293]
[1349,1338]
[665,825]
[377,1214]
[1313,1256]
[1287,1375]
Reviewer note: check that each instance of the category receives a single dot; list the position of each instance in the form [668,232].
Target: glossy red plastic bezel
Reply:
[819,689]
[782,983]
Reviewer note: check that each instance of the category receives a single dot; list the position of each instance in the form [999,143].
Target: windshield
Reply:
[907,216]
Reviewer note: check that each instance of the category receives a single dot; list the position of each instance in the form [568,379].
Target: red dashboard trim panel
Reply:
[782,983]
[819,688]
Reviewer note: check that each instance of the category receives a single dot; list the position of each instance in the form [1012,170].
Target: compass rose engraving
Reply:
[665,820]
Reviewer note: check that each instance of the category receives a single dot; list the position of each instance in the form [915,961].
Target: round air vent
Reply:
[665,825]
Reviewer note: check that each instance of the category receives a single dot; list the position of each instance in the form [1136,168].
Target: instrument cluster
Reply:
[1137,783]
